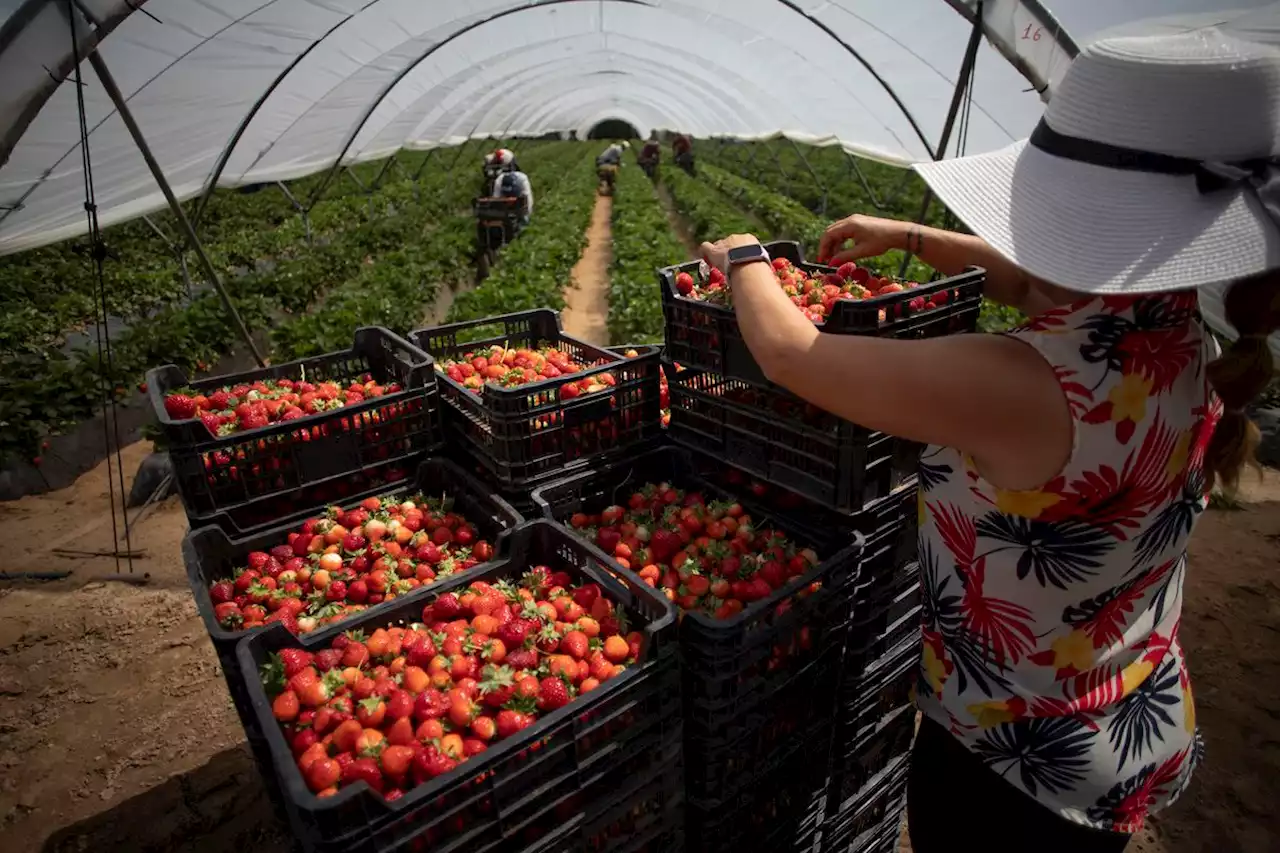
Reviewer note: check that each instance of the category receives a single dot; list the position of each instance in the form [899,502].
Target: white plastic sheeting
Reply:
[358,79]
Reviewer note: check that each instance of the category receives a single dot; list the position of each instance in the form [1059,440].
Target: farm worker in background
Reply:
[607,165]
[1070,458]
[493,166]
[513,183]
[652,151]
[611,156]
[682,152]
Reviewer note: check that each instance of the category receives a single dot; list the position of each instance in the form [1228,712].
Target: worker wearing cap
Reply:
[511,182]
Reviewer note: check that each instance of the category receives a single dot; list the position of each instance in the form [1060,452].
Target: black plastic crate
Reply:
[870,814]
[571,781]
[875,747]
[778,437]
[211,554]
[524,434]
[762,684]
[707,337]
[781,813]
[249,479]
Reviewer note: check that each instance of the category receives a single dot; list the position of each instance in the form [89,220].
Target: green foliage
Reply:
[710,215]
[642,242]
[532,271]
[995,317]
[276,278]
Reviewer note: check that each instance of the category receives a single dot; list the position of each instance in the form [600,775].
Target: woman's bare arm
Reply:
[988,395]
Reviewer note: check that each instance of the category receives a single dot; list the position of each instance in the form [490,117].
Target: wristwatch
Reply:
[742,255]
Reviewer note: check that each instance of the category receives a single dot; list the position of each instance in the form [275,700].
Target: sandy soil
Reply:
[117,733]
[586,312]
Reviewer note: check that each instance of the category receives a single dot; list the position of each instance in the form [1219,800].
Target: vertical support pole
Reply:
[377,182]
[963,80]
[302,211]
[812,174]
[122,107]
[423,165]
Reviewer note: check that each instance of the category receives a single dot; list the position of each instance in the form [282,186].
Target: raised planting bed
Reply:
[765,619]
[466,720]
[702,331]
[252,447]
[529,401]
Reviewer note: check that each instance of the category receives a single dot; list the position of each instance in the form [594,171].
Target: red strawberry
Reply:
[222,592]
[510,722]
[363,770]
[513,633]
[940,298]
[352,542]
[418,653]
[430,705]
[684,283]
[180,407]
[295,660]
[211,422]
[400,704]
[327,659]
[430,763]
[220,400]
[522,659]
[445,609]
[553,693]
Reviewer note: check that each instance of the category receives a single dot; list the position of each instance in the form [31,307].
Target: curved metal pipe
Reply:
[225,155]
[400,75]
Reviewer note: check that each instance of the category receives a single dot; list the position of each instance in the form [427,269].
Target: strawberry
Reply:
[180,407]
[328,659]
[221,592]
[363,770]
[553,693]
[510,722]
[684,283]
[295,660]
[430,763]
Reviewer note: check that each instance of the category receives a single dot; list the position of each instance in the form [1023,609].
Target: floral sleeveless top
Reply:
[1051,616]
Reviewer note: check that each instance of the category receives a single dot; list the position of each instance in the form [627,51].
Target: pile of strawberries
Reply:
[664,395]
[511,367]
[814,294]
[406,704]
[240,408]
[335,566]
[706,556]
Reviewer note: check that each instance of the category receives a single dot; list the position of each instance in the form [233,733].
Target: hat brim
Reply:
[1097,230]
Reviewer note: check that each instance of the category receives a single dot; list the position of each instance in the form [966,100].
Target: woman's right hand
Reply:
[871,236]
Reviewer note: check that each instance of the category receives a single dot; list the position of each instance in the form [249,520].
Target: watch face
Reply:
[743,254]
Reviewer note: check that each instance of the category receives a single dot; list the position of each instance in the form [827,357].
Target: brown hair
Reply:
[1240,375]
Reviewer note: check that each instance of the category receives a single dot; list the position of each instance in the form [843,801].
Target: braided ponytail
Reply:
[1240,375]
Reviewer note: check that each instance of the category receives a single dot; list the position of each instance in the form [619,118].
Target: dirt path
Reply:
[586,313]
[117,734]
[678,223]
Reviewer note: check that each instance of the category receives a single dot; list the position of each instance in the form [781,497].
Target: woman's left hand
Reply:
[717,254]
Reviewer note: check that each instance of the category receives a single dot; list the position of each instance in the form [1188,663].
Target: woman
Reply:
[1070,458]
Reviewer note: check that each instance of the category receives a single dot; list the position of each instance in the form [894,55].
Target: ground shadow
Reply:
[220,807]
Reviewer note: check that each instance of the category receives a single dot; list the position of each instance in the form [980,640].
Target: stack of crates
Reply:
[723,406]
[760,688]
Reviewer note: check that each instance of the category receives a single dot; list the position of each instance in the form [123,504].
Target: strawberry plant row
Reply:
[529,402]
[710,215]
[448,759]
[49,390]
[533,271]
[642,242]
[789,220]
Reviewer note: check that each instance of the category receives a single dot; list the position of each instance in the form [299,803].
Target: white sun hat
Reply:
[1154,168]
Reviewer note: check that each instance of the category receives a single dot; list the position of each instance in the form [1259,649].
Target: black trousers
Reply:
[956,803]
